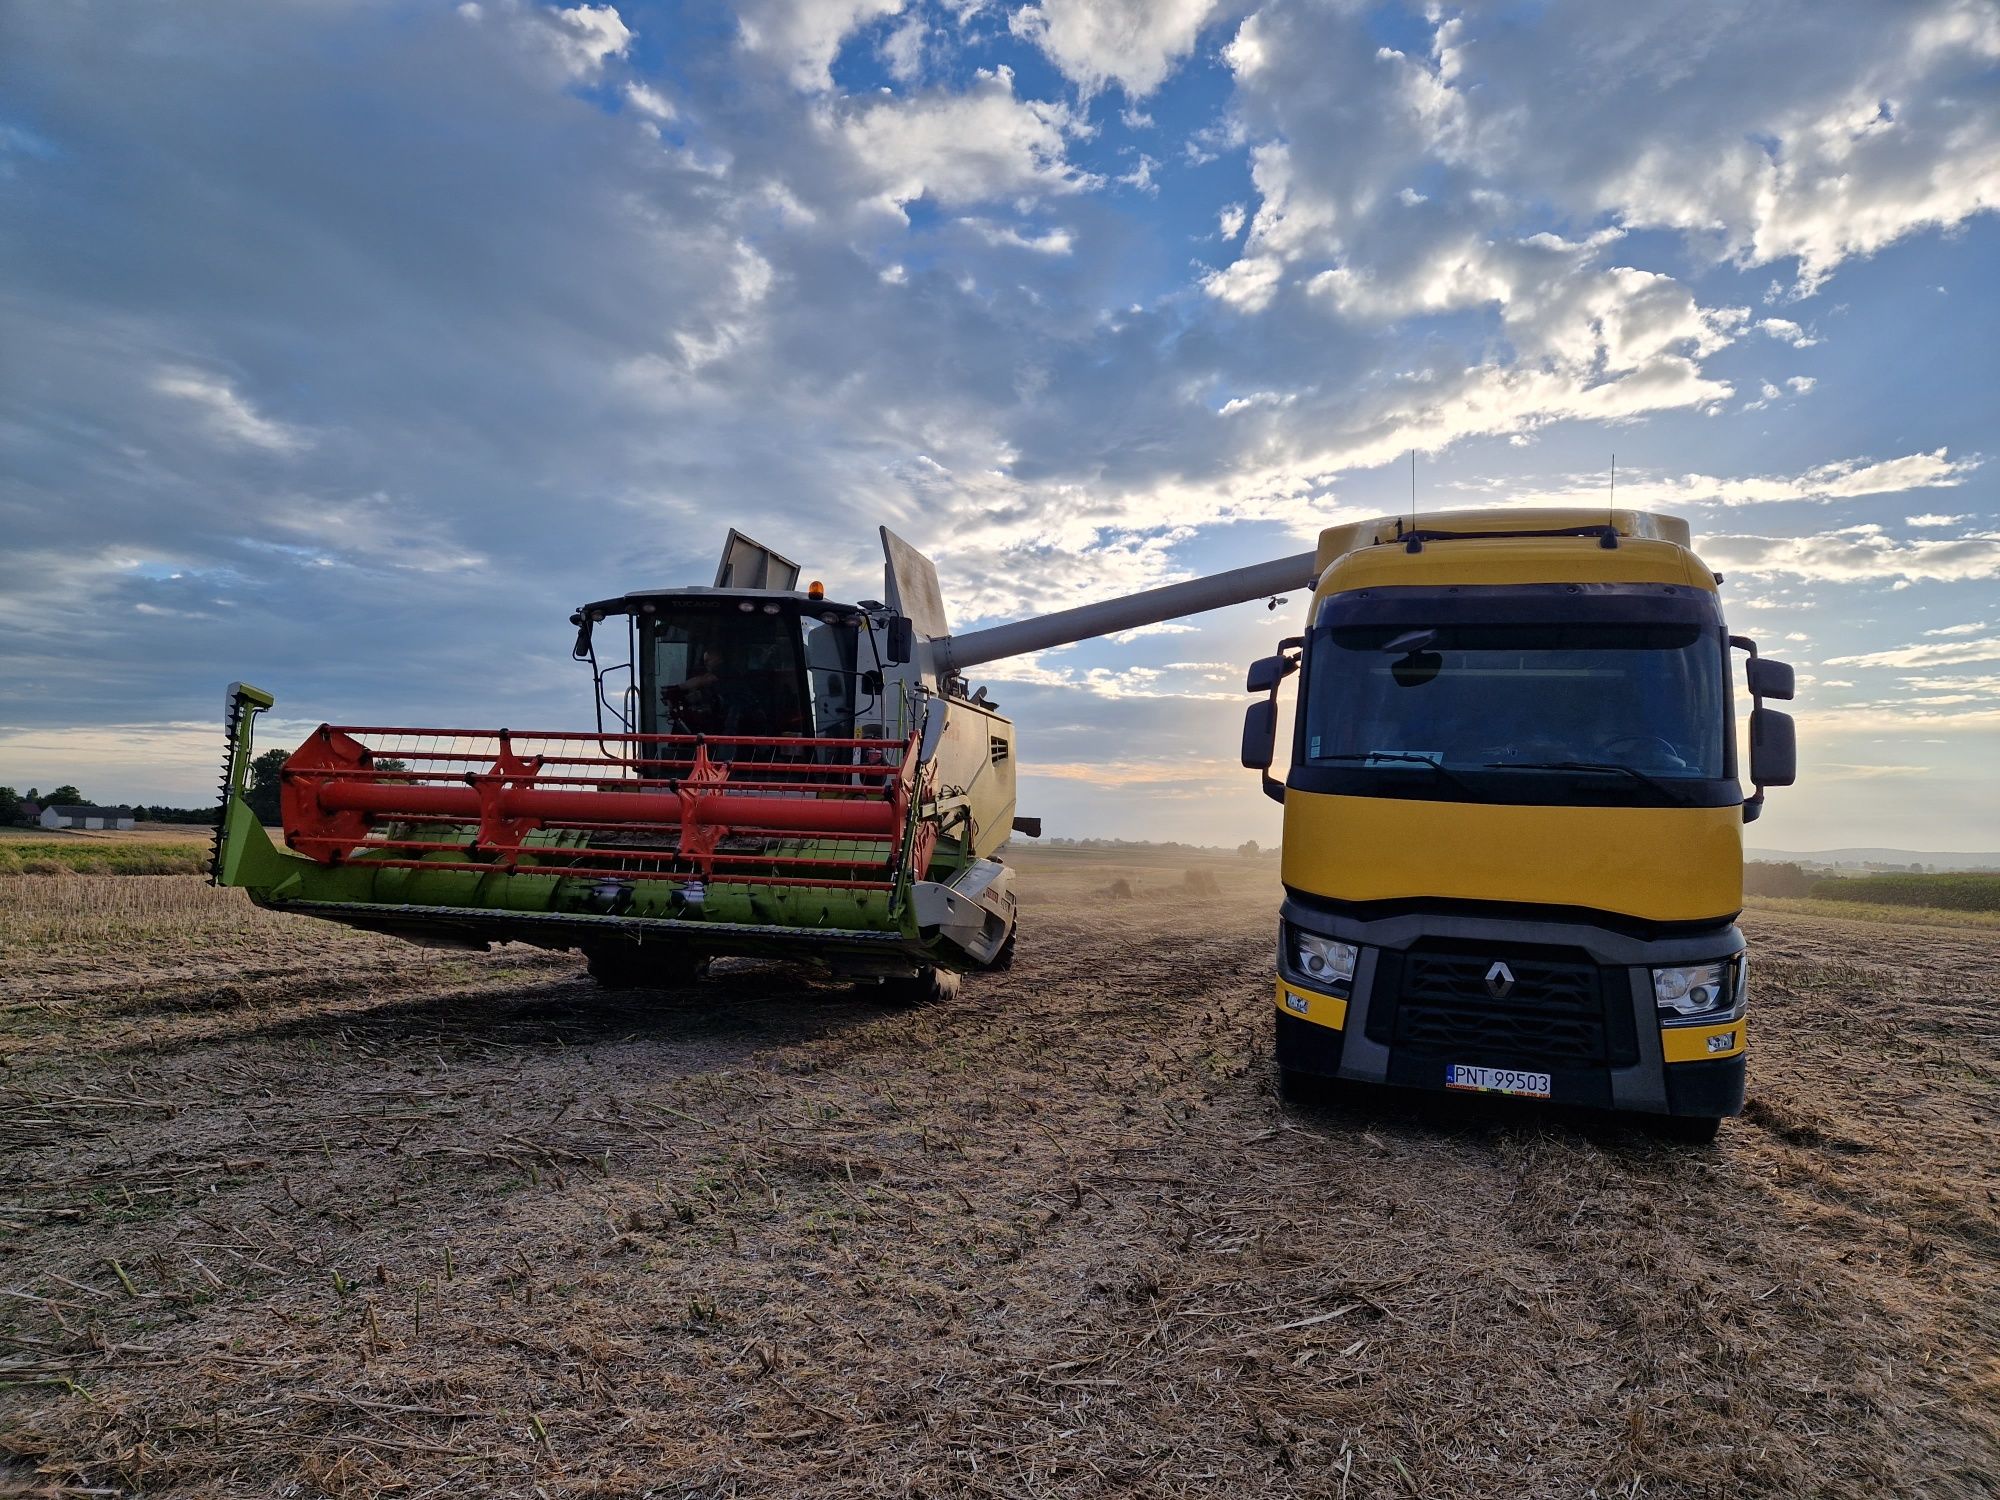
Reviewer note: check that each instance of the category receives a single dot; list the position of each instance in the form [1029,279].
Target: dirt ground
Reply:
[295,1211]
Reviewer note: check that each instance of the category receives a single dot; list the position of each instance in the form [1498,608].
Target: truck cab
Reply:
[1513,814]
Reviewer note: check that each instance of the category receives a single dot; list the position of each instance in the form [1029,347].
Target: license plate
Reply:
[1496,1080]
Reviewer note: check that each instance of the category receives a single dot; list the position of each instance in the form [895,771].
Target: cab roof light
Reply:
[816,591]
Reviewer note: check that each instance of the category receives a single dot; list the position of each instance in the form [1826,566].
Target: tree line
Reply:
[261,794]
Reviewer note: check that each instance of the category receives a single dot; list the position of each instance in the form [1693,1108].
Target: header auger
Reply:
[771,773]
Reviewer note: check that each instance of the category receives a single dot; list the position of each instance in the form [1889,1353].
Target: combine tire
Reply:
[928,986]
[635,967]
[1004,959]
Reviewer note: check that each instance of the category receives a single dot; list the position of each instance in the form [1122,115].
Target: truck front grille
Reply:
[1436,1000]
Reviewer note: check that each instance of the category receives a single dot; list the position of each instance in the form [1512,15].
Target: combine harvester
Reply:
[772,773]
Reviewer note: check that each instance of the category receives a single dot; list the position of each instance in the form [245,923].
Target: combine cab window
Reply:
[830,679]
[713,667]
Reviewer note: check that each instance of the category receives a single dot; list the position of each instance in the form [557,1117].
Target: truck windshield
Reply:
[1637,708]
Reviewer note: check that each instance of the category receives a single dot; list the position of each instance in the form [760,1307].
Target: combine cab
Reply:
[771,773]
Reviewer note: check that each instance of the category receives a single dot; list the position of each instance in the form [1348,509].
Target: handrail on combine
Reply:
[810,812]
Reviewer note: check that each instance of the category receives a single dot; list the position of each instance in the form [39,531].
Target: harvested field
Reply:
[296,1211]
[103,853]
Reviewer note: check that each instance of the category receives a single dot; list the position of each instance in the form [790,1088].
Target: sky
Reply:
[347,345]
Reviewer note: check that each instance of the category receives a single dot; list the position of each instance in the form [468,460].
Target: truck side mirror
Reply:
[902,642]
[1774,747]
[1260,739]
[1769,679]
[1265,674]
[1260,735]
[581,650]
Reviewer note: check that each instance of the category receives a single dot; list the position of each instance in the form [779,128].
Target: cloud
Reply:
[1800,132]
[1930,519]
[1914,471]
[1140,178]
[1900,719]
[1972,629]
[1959,686]
[1923,656]
[980,144]
[1163,627]
[804,36]
[1132,43]
[650,101]
[372,531]
[1787,331]
[903,50]
[527,307]
[1857,554]
[1136,772]
[1841,479]
[1050,242]
[225,415]
[583,37]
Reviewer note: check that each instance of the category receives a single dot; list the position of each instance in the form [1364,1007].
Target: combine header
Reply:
[771,773]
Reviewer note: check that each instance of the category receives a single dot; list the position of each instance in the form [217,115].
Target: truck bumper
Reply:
[1580,1010]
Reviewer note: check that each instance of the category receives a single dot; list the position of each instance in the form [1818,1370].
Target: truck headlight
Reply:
[1324,959]
[1696,991]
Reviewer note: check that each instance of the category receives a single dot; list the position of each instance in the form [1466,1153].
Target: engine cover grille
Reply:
[1502,1004]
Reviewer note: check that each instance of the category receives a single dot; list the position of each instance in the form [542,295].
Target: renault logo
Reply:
[1499,980]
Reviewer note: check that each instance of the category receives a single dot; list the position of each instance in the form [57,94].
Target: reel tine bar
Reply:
[736,809]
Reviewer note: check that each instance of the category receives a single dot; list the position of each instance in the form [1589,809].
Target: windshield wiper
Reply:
[1652,782]
[1472,792]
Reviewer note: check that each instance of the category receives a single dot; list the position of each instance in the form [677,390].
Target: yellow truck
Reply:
[1513,853]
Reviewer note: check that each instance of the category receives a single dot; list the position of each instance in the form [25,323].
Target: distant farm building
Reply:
[86,817]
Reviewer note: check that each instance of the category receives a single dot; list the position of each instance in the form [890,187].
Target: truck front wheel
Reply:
[1688,1130]
[1296,1087]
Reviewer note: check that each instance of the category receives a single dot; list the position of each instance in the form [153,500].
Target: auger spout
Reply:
[954,655]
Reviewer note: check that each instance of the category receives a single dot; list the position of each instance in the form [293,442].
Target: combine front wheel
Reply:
[657,966]
[930,985]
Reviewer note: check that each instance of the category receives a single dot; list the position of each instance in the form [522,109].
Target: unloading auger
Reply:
[771,773]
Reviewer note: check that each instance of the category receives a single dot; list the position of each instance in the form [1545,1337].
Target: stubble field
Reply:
[287,1210]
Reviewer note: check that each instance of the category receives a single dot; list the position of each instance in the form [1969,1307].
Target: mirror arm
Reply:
[1274,788]
[1753,805]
